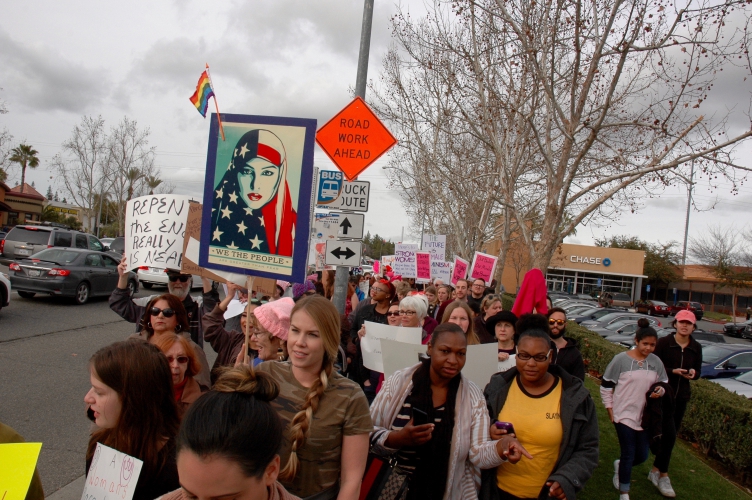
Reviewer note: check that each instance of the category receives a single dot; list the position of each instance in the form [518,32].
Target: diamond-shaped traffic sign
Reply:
[354,138]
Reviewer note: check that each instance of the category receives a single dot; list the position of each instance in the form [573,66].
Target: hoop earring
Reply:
[148,324]
[178,328]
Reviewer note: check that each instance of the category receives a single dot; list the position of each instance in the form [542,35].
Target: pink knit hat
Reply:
[275,316]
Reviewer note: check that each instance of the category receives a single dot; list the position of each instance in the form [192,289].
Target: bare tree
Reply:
[722,250]
[82,166]
[581,109]
[5,142]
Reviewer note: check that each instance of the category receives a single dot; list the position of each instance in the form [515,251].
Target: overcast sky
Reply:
[293,58]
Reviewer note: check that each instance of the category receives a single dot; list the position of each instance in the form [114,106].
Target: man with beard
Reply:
[179,285]
[565,351]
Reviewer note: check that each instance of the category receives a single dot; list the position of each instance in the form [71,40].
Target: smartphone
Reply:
[507,426]
[419,417]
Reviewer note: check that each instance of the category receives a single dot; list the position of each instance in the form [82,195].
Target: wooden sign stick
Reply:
[249,286]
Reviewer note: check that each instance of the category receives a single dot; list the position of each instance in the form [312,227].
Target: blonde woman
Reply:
[326,455]
[460,314]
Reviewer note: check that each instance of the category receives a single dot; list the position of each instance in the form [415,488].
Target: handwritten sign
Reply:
[112,474]
[423,266]
[155,230]
[435,244]
[371,344]
[17,463]
[460,270]
[441,270]
[387,260]
[404,260]
[263,286]
[483,267]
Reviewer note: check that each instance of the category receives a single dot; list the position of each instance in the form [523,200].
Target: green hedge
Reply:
[719,421]
[507,301]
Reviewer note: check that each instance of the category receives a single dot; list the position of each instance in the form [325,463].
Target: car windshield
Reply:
[745,377]
[33,236]
[658,303]
[621,296]
[617,324]
[712,354]
[591,311]
[56,255]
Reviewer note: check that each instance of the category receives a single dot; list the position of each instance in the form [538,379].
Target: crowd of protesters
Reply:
[289,410]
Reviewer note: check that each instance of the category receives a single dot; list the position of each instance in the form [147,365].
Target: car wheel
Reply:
[26,295]
[148,285]
[82,293]
[131,288]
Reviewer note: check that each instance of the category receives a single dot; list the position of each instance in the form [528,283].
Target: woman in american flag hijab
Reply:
[252,208]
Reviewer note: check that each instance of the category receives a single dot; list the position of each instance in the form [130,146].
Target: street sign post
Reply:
[334,192]
[350,226]
[343,253]
[354,138]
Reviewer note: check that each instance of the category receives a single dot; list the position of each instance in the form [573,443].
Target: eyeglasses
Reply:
[539,358]
[181,277]
[167,313]
[393,313]
[180,359]
[378,290]
[559,322]
[407,313]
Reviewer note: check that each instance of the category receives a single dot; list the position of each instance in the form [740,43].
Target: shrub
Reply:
[719,421]
[507,301]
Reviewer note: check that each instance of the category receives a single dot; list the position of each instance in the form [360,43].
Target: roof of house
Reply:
[28,192]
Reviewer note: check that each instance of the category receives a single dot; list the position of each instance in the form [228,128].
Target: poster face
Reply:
[257,196]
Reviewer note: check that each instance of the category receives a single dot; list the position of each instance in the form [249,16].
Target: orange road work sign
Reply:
[354,138]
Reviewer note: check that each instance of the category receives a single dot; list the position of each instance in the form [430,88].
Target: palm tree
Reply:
[132,176]
[153,181]
[26,156]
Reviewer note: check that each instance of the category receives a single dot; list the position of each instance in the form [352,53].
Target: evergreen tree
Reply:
[49,193]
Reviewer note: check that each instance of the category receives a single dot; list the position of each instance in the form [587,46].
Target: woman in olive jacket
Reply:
[578,452]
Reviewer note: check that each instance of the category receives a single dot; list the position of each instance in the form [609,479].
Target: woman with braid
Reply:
[326,415]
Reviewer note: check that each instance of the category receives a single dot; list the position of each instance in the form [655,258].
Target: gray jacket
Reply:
[578,454]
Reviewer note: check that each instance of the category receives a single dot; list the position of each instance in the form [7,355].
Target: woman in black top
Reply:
[132,403]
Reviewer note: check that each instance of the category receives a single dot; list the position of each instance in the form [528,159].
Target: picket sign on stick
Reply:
[423,266]
[249,286]
[483,267]
[460,270]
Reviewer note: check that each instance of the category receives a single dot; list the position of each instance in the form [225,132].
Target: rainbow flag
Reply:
[204,91]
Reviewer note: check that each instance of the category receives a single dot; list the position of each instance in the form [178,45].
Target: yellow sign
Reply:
[17,462]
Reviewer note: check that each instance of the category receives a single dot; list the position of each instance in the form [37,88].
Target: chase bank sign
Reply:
[589,260]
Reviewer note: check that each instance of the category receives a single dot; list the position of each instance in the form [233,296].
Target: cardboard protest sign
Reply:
[192,251]
[441,270]
[371,344]
[263,286]
[387,260]
[435,244]
[483,267]
[460,270]
[398,355]
[423,266]
[155,229]
[377,268]
[404,260]
[112,474]
[17,463]
[481,362]
[193,230]
[364,287]
[257,196]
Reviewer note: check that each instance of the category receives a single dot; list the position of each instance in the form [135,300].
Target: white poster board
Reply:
[481,363]
[370,345]
[386,260]
[111,474]
[441,270]
[399,355]
[404,260]
[435,244]
[155,230]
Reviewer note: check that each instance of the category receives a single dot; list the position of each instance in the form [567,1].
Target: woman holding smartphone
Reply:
[682,356]
[627,379]
[434,422]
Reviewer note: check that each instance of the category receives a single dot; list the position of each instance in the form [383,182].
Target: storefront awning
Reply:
[588,271]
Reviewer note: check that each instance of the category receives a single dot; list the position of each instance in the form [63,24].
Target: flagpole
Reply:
[216,106]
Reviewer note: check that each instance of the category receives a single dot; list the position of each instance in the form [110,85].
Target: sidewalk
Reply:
[71,491]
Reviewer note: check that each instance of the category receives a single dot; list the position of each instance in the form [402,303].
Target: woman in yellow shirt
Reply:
[554,419]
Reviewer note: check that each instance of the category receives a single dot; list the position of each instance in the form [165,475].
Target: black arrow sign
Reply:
[345,225]
[338,252]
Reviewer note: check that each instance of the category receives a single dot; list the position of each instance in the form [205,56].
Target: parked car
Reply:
[150,276]
[725,360]
[27,239]
[2,235]
[652,308]
[741,384]
[594,314]
[5,289]
[586,297]
[106,241]
[68,272]
[737,329]
[619,325]
[618,316]
[627,339]
[695,307]
[116,247]
[576,309]
[615,299]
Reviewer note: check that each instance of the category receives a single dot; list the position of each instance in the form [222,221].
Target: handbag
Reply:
[383,479]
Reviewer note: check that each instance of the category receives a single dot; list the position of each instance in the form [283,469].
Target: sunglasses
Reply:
[180,359]
[559,322]
[394,313]
[182,278]
[167,313]
[539,358]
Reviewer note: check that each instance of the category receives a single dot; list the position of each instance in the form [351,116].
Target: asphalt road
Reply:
[45,347]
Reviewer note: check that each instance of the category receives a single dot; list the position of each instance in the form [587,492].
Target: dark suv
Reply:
[25,240]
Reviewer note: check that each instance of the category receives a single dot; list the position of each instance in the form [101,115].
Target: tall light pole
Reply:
[690,185]
[342,273]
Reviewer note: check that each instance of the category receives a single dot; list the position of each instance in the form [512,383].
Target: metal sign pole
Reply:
[342,274]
